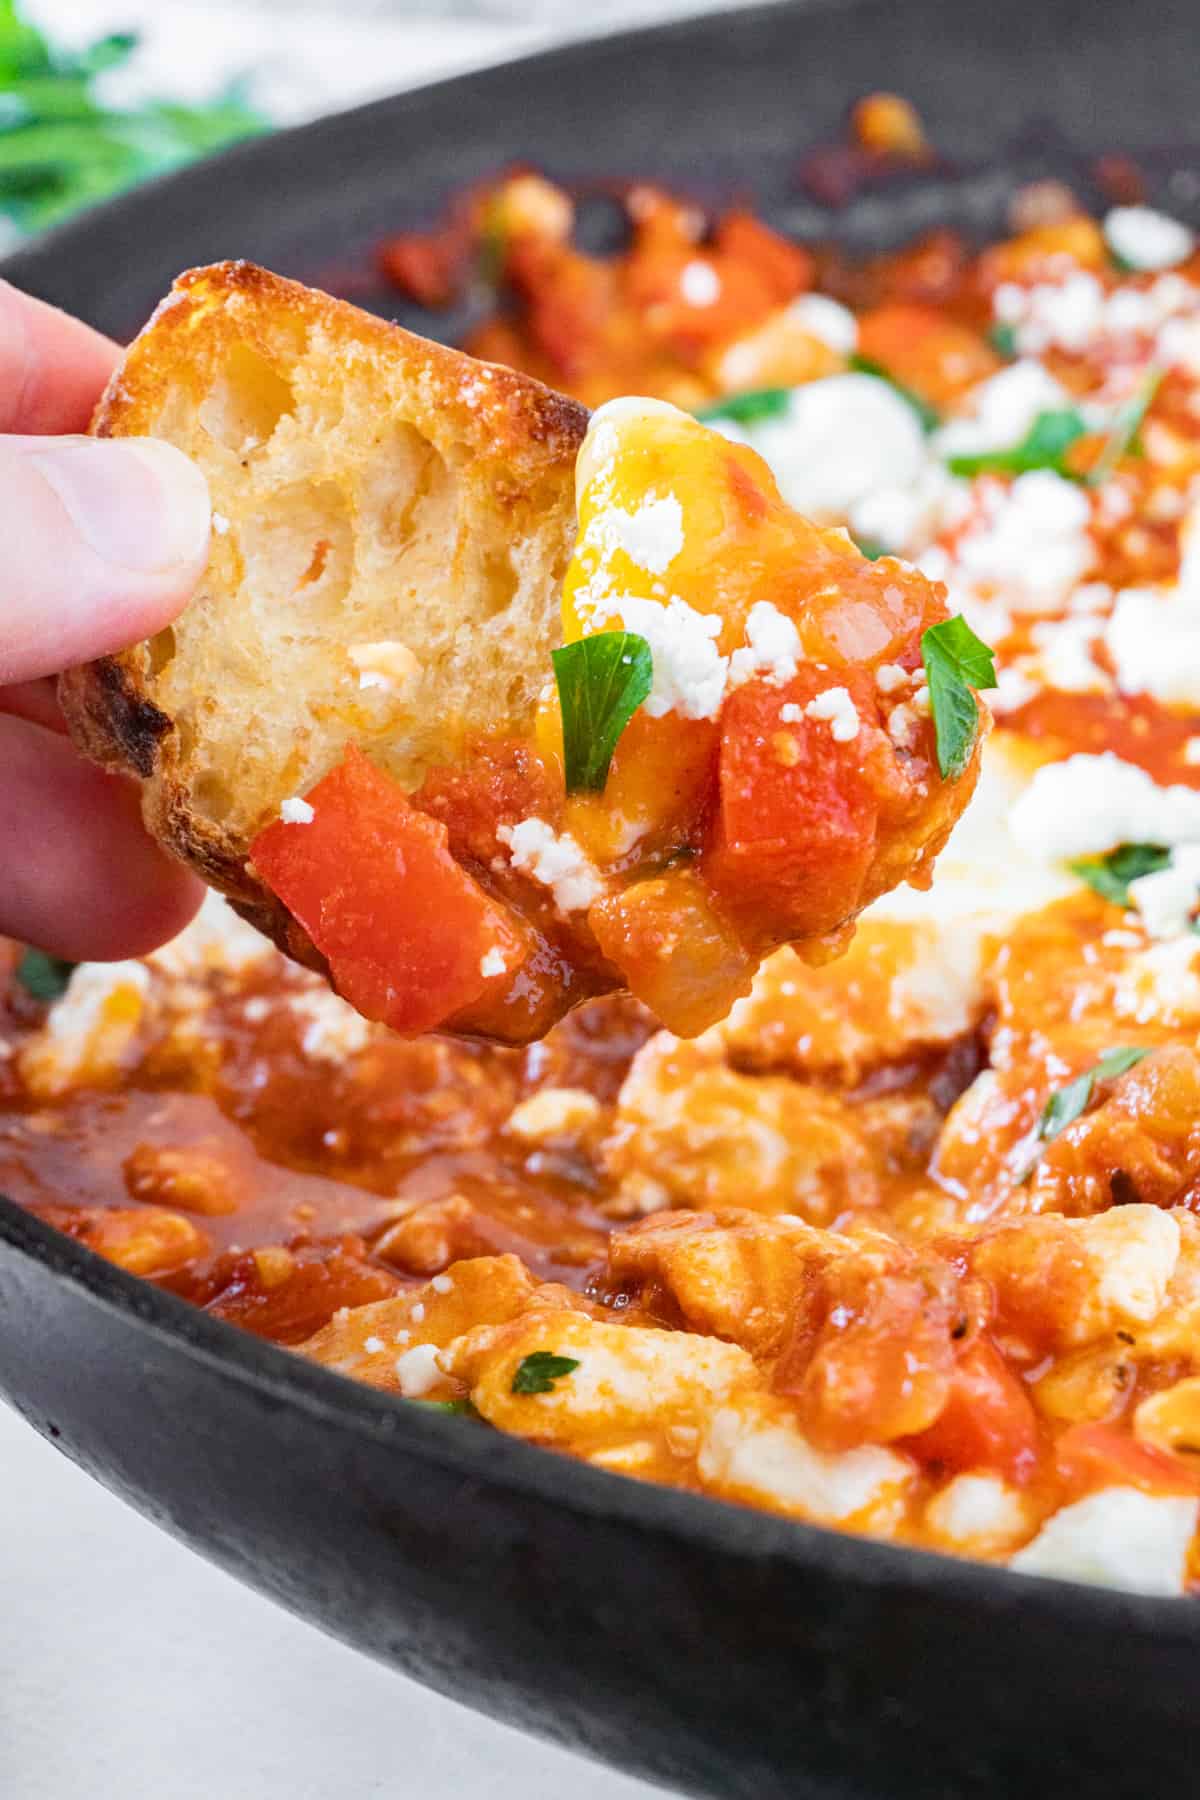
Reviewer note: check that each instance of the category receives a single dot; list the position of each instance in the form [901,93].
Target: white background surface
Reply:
[130,1669]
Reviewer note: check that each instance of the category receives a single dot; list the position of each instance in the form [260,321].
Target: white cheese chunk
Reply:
[759,1455]
[297,812]
[1003,409]
[1118,1538]
[1153,638]
[650,535]
[1089,804]
[690,672]
[826,319]
[838,708]
[772,646]
[840,439]
[418,1370]
[555,860]
[979,1513]
[1145,239]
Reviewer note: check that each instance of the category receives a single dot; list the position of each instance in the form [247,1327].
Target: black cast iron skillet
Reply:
[714,1649]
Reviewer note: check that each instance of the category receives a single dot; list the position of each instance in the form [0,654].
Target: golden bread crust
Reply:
[375,496]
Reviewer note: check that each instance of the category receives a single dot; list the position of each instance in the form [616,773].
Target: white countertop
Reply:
[129,1668]
[132,1670]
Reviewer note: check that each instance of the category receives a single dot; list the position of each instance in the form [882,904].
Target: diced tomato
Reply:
[921,348]
[1094,1456]
[677,952]
[404,928]
[797,822]
[988,1421]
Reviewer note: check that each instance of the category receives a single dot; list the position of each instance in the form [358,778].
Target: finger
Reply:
[52,367]
[78,874]
[106,538]
[36,701]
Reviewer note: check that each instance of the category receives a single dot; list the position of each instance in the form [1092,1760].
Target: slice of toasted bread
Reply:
[392,522]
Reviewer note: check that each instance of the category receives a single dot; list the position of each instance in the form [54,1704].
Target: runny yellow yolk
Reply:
[676,526]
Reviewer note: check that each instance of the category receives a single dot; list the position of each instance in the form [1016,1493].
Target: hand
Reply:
[103,542]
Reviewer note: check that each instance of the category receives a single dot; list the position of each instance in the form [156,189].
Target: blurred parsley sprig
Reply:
[62,149]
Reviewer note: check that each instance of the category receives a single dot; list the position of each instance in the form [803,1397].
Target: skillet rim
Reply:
[702,1521]
[725,1528]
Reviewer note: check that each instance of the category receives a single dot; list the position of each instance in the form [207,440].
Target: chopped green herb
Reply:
[956,661]
[871,549]
[1066,1103]
[540,1370]
[602,680]
[465,1409]
[61,148]
[1111,874]
[1123,437]
[1003,339]
[1043,447]
[744,409]
[42,975]
[866,365]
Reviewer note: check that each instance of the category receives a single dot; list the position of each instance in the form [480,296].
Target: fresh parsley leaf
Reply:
[955,662]
[1111,874]
[1043,447]
[1003,339]
[42,975]
[744,409]
[866,365]
[871,549]
[540,1370]
[602,680]
[1125,428]
[1066,1103]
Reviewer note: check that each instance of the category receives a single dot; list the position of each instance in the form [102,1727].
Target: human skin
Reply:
[103,544]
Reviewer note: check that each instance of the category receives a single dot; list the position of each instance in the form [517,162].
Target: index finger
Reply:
[52,367]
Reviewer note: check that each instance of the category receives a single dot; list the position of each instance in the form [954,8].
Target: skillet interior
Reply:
[715,1649]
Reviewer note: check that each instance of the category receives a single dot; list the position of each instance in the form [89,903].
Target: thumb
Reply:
[107,537]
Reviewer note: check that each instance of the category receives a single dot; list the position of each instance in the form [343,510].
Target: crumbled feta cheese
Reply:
[418,1370]
[767,1458]
[442,1284]
[1032,543]
[1118,1538]
[220,524]
[1167,899]
[772,647]
[216,940]
[1089,804]
[1145,239]
[1066,313]
[416,1312]
[841,439]
[297,811]
[373,1345]
[554,859]
[651,535]
[553,1112]
[1191,751]
[700,284]
[331,1030]
[836,705]
[1003,409]
[492,963]
[979,1513]
[1161,984]
[689,671]
[826,319]
[1153,638]
[1132,1252]
[89,1028]
[890,678]
[1064,660]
